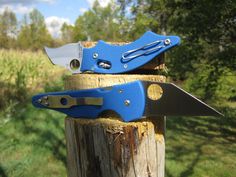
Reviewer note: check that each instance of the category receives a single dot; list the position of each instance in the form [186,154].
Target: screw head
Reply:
[167,42]
[127,102]
[95,55]
[120,91]
[39,100]
[45,97]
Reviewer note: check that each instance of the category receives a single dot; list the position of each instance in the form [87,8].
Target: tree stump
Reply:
[108,147]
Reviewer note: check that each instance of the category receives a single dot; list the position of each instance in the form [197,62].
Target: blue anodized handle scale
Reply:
[111,59]
[122,99]
[121,59]
[131,101]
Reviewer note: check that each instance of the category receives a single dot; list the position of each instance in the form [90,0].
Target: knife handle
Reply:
[106,58]
[127,100]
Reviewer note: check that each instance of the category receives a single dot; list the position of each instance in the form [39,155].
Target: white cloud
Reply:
[22,9]
[103,3]
[47,1]
[82,10]
[25,2]
[54,25]
[18,9]
[21,6]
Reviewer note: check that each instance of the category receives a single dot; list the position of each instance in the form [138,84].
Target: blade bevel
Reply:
[176,102]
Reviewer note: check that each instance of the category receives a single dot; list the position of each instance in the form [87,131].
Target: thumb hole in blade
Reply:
[154,92]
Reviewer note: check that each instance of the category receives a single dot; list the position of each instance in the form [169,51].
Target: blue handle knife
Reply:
[131,101]
[106,58]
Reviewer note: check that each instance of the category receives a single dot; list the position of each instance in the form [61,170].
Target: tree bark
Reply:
[108,147]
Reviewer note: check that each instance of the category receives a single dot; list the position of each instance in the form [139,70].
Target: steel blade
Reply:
[174,101]
[68,56]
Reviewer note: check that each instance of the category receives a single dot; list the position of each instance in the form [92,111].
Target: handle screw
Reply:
[167,42]
[95,55]
[127,102]
[120,91]
[39,100]
[45,97]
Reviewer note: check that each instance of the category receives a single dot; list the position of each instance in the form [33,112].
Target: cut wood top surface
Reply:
[109,147]
[87,81]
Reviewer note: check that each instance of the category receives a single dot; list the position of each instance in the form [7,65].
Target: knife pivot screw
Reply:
[127,102]
[125,66]
[167,42]
[95,55]
[39,100]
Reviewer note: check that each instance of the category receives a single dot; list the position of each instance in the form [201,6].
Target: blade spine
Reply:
[45,50]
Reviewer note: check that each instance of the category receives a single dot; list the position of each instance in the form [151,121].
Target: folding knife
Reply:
[131,101]
[106,58]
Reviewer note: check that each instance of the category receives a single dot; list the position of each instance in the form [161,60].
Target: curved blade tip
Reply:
[48,51]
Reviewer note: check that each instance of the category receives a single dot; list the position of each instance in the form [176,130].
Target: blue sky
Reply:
[56,12]
[65,9]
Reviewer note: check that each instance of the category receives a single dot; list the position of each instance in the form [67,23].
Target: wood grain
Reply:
[108,147]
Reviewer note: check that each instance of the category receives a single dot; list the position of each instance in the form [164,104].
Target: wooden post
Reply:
[108,147]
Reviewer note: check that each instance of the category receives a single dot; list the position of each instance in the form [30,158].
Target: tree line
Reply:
[207,29]
[32,33]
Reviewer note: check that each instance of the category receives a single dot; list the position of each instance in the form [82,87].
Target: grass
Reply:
[23,73]
[32,141]
[201,146]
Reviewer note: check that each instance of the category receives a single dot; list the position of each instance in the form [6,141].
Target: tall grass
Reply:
[32,141]
[23,73]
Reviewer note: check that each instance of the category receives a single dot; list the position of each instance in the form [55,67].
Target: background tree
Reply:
[208,30]
[98,23]
[8,29]
[67,33]
[35,34]
[208,33]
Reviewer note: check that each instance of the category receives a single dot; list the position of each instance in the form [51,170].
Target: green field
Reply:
[32,141]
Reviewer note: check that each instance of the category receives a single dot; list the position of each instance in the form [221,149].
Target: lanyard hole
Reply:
[64,101]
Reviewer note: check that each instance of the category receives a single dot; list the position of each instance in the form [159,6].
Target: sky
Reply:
[56,12]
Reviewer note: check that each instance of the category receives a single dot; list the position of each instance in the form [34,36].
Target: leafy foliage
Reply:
[98,23]
[203,64]
[21,74]
[208,31]
[34,35]
[8,26]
